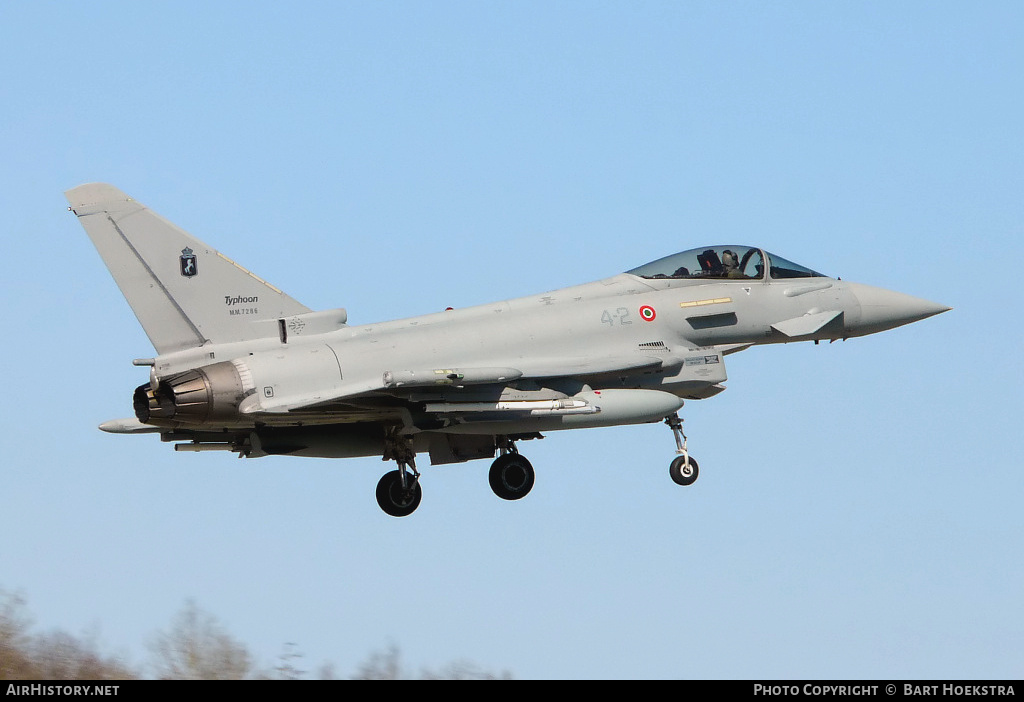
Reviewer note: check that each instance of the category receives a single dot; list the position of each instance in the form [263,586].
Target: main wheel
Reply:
[680,473]
[396,500]
[511,476]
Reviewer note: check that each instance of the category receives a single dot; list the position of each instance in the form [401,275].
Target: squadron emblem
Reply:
[189,265]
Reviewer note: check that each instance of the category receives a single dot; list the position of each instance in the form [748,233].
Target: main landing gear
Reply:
[511,475]
[399,493]
[683,469]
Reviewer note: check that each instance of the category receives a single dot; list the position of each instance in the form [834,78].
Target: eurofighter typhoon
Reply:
[241,366]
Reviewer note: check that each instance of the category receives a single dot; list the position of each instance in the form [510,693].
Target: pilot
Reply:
[731,263]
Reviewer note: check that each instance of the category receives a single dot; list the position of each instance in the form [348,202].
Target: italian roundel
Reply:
[647,313]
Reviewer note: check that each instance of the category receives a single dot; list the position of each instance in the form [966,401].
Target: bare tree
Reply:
[15,663]
[198,648]
[61,656]
[195,647]
[464,670]
[287,667]
[381,666]
[54,656]
[388,666]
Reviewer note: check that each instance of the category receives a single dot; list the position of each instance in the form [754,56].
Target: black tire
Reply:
[678,471]
[396,500]
[511,476]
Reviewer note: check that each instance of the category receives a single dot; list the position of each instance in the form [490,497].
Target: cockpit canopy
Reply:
[723,262]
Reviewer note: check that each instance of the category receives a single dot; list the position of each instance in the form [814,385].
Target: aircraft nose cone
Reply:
[882,309]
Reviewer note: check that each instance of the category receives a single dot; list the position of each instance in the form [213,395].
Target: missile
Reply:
[535,408]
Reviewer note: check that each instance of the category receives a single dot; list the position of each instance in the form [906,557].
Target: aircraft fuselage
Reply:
[243,367]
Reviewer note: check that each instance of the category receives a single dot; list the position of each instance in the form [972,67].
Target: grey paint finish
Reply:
[243,367]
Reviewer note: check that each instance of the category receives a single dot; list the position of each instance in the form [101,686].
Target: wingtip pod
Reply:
[128,426]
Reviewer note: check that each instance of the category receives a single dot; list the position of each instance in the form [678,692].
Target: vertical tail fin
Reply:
[184,293]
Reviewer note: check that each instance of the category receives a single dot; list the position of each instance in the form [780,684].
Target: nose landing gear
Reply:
[683,470]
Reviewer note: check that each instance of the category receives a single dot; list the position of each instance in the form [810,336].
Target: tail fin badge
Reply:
[189,265]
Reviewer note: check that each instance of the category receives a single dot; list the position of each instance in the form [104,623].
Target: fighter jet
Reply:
[240,366]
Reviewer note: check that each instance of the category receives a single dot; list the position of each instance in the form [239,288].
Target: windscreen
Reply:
[781,268]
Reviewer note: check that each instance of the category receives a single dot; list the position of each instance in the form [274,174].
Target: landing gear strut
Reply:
[683,468]
[399,492]
[511,475]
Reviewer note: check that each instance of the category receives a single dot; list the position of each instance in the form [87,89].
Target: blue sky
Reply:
[858,511]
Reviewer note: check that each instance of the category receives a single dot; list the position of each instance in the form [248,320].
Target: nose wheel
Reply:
[683,470]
